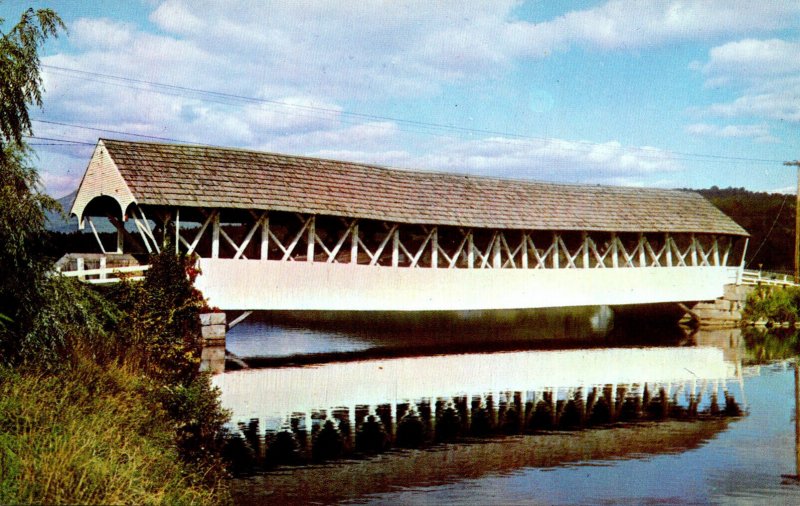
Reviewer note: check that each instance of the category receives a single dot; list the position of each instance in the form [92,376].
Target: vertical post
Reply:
[121,237]
[524,250]
[470,251]
[796,223]
[354,245]
[215,236]
[435,248]
[213,329]
[265,237]
[693,249]
[496,252]
[642,252]
[797,418]
[614,250]
[396,247]
[103,275]
[177,230]
[715,249]
[555,250]
[79,267]
[668,247]
[311,234]
[585,248]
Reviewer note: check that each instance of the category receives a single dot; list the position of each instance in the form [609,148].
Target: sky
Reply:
[670,94]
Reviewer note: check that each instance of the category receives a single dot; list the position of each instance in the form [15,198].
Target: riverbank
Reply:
[772,306]
[92,435]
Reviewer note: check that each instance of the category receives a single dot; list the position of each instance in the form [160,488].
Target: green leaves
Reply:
[23,266]
[20,80]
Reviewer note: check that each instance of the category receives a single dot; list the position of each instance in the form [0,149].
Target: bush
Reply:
[161,322]
[774,304]
[71,318]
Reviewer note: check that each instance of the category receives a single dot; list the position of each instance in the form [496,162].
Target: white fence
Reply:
[100,269]
[766,278]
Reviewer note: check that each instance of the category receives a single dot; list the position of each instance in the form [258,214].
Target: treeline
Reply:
[768,217]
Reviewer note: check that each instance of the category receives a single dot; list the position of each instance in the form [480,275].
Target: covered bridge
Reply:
[275,231]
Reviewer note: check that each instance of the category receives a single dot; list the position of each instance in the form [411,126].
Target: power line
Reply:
[106,130]
[65,141]
[327,113]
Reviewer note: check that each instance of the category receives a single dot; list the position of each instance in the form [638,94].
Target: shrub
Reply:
[775,304]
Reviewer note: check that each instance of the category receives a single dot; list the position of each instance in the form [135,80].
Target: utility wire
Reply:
[65,141]
[337,115]
[769,232]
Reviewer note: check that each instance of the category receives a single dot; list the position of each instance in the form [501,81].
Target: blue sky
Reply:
[649,93]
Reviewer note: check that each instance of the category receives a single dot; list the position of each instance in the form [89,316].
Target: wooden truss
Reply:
[292,237]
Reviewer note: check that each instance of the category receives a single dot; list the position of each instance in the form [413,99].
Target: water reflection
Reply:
[373,422]
[296,415]
[270,339]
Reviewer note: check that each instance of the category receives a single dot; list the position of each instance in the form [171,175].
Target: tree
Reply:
[20,80]
[22,203]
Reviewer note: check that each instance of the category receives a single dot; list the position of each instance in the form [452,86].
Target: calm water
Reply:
[566,409]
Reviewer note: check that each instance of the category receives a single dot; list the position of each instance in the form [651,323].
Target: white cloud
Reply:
[551,159]
[764,73]
[759,132]
[317,57]
[630,24]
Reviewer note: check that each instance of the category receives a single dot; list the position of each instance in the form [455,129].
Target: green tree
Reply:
[22,202]
[20,80]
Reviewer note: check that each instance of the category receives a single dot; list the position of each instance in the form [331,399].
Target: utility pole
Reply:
[796,223]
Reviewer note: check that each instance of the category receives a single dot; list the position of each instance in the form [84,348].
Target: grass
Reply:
[89,435]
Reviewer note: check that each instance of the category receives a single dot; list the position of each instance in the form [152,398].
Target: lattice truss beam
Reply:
[292,237]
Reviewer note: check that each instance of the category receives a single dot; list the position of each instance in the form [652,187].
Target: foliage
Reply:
[88,435]
[22,262]
[20,81]
[161,318]
[769,217]
[160,329]
[70,318]
[112,395]
[765,345]
[774,304]
[22,204]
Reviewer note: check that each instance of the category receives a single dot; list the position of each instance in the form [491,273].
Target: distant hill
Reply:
[769,217]
[65,224]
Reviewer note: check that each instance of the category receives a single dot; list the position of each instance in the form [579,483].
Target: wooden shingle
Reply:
[199,176]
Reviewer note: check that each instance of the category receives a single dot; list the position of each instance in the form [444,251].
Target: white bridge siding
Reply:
[279,285]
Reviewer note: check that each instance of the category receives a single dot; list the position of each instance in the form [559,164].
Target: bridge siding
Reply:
[259,285]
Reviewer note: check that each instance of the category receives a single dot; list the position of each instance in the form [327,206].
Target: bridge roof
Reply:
[198,176]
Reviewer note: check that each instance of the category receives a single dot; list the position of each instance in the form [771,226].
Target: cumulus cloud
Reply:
[622,24]
[538,159]
[765,74]
[759,132]
[284,72]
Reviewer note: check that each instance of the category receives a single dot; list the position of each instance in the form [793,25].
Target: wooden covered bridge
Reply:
[295,233]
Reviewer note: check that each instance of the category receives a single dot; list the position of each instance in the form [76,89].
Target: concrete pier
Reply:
[213,328]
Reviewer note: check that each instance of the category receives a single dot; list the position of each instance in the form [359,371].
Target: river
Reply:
[541,407]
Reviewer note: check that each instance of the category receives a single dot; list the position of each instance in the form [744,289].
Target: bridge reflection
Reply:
[655,399]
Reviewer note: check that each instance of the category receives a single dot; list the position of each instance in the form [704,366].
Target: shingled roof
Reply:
[172,175]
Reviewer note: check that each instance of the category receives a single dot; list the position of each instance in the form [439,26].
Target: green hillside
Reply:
[769,217]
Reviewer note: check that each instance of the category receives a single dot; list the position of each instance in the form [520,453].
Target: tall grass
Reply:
[90,435]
